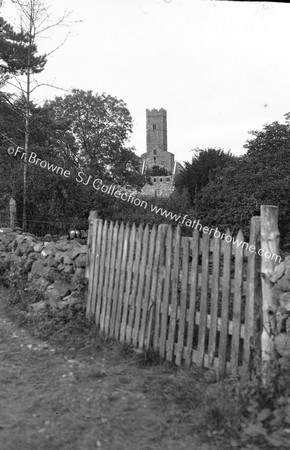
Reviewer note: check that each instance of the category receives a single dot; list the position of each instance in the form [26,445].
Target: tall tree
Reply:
[56,137]
[92,130]
[201,170]
[14,50]
[259,177]
[34,21]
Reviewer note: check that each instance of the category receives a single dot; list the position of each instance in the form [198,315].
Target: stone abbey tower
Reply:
[157,162]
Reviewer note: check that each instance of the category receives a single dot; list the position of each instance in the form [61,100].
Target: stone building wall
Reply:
[161,187]
[156,129]
[156,142]
[158,158]
[157,162]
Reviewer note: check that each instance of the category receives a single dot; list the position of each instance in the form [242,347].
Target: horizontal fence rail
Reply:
[191,299]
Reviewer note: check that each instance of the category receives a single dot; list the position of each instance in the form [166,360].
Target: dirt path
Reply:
[51,400]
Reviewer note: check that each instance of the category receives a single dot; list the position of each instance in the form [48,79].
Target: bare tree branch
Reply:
[60,45]
[49,85]
[15,86]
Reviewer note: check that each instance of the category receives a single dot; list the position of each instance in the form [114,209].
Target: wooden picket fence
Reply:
[192,299]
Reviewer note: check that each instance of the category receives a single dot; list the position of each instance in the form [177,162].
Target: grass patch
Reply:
[110,393]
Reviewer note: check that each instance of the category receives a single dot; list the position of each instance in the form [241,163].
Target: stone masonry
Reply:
[55,271]
[280,280]
[161,187]
[157,162]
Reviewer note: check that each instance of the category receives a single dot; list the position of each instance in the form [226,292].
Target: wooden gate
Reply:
[191,299]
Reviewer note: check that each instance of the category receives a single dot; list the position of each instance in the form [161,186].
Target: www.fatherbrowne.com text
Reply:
[124,195]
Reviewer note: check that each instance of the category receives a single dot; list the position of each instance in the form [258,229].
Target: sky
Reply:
[220,69]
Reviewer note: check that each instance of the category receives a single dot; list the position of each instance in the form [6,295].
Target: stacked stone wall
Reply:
[53,269]
[281,315]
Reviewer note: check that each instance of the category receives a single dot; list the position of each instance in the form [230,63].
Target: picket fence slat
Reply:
[132,238]
[140,291]
[105,287]
[104,257]
[145,299]
[235,347]
[116,299]
[191,299]
[110,276]
[98,280]
[120,294]
[166,291]
[215,288]
[183,299]
[99,224]
[193,280]
[203,301]
[135,279]
[174,299]
[159,287]
[225,305]
[152,303]
[97,230]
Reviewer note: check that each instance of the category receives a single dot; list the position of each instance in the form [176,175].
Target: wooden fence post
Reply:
[269,248]
[89,269]
[12,210]
[93,215]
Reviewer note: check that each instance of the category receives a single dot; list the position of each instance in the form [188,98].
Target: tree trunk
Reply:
[26,142]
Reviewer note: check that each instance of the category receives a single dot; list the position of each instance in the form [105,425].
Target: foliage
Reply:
[91,131]
[266,406]
[55,140]
[34,21]
[115,209]
[10,174]
[204,167]
[14,50]
[13,276]
[259,177]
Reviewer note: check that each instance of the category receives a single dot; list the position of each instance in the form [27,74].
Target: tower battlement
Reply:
[156,111]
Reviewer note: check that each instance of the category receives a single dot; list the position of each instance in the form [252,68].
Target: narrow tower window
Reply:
[154,126]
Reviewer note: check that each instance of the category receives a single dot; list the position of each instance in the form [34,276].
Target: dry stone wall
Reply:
[52,271]
[280,280]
